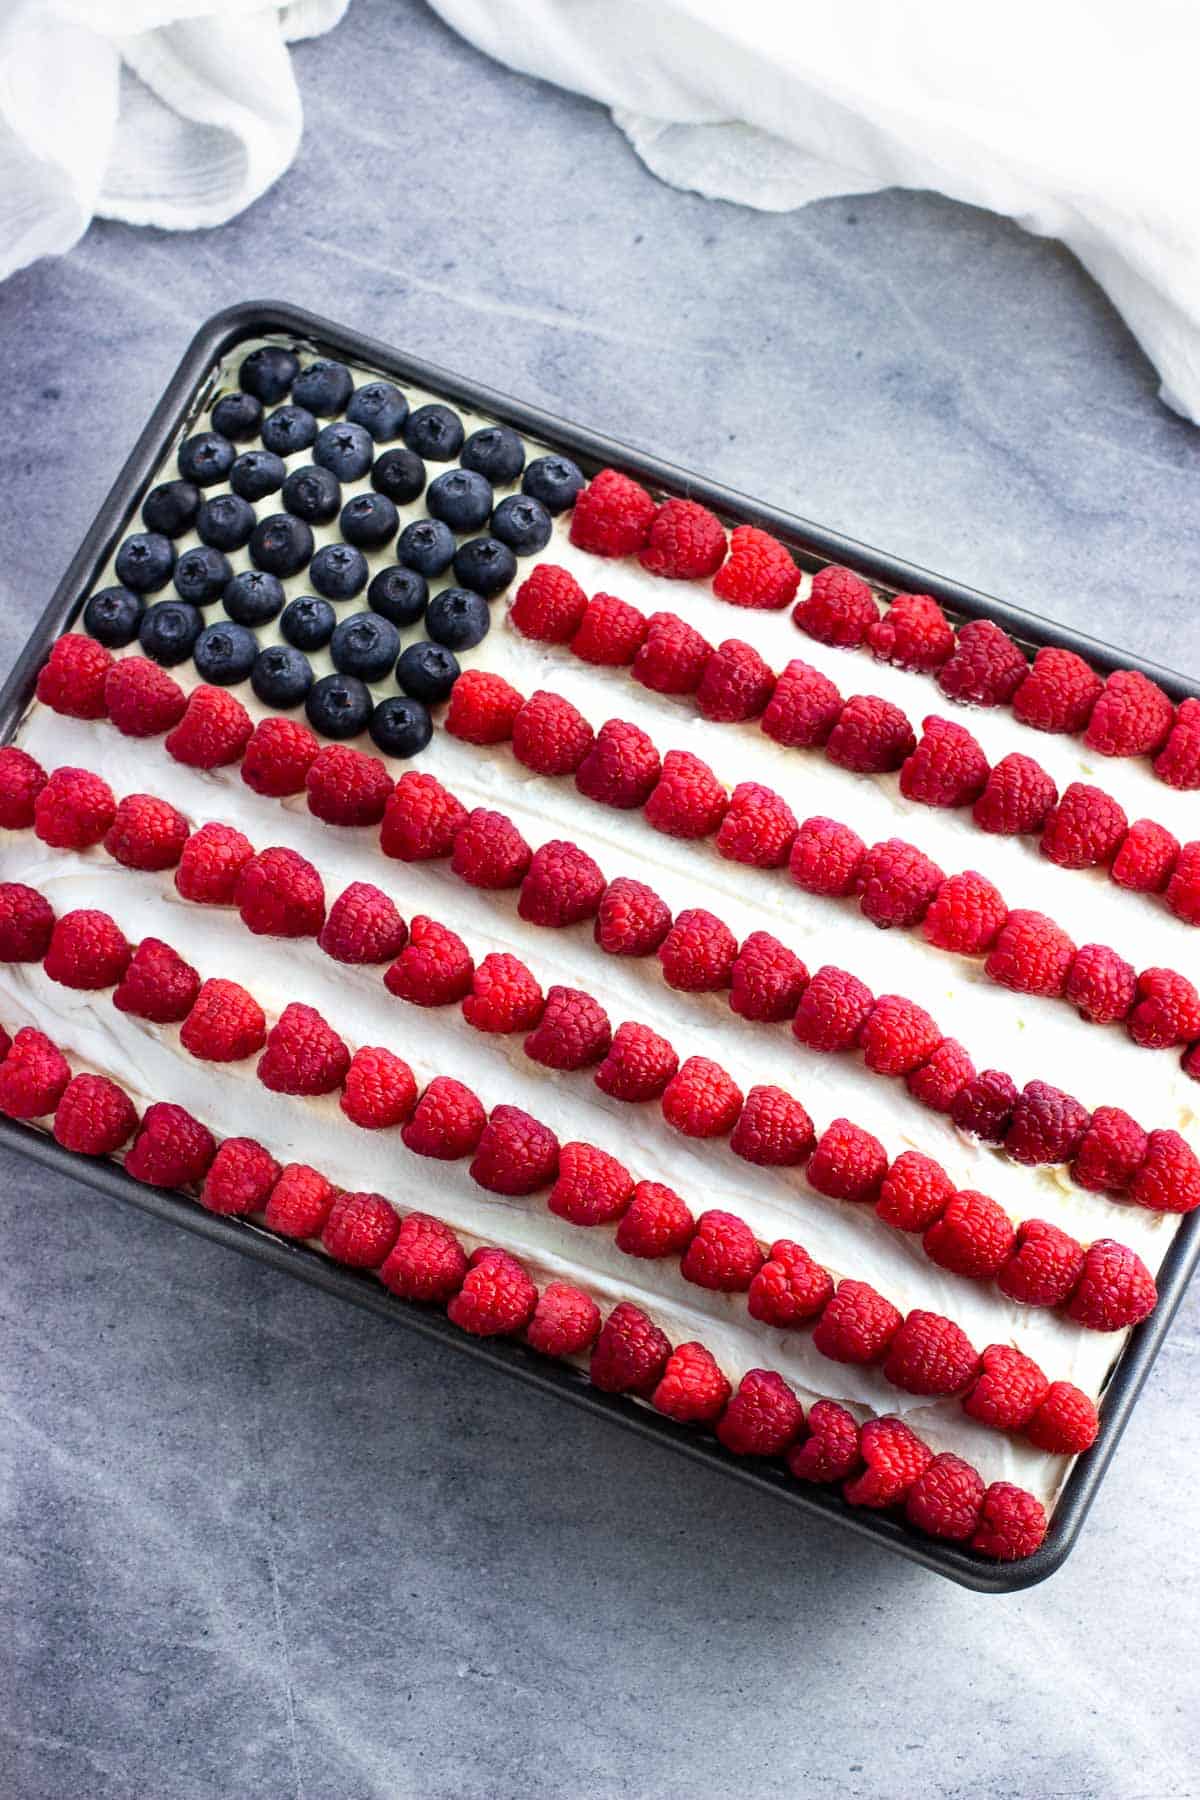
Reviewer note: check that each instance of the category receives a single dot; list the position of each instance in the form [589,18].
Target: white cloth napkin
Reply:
[1076,117]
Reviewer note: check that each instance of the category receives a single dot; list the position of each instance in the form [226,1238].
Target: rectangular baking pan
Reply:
[186,394]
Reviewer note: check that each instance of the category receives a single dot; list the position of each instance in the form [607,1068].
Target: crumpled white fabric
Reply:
[1075,117]
[176,113]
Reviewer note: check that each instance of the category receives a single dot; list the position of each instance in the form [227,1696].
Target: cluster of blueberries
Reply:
[467,532]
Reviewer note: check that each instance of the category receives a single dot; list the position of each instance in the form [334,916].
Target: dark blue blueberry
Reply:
[398,594]
[379,406]
[168,630]
[237,416]
[145,561]
[225,522]
[338,571]
[434,432]
[460,498]
[555,481]
[281,676]
[281,545]
[426,546]
[427,672]
[495,451]
[400,727]
[400,474]
[308,622]
[346,450]
[366,646]
[312,494]
[522,523]
[206,458]
[225,653]
[288,429]
[257,473]
[202,575]
[484,564]
[457,618]
[268,373]
[324,387]
[339,706]
[369,520]
[254,597]
[171,508]
[112,617]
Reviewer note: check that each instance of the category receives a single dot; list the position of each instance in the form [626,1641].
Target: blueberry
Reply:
[257,473]
[400,727]
[225,522]
[268,373]
[495,451]
[237,416]
[369,521]
[225,653]
[522,523]
[434,432]
[254,598]
[312,494]
[460,498]
[206,458]
[399,474]
[145,561]
[288,429]
[366,646]
[281,545]
[379,406]
[338,706]
[202,575]
[346,450]
[555,481]
[457,618]
[398,594]
[427,672]
[308,622]
[484,564]
[426,546]
[324,387]
[112,616]
[281,676]
[171,508]
[168,630]
[338,571]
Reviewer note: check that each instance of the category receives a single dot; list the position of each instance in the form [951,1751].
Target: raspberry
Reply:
[758,572]
[826,858]
[773,1130]
[984,1107]
[516,1153]
[447,1122]
[621,767]
[698,953]
[896,884]
[790,1288]
[630,1354]
[1031,954]
[1084,829]
[489,851]
[1167,1010]
[171,1149]
[871,736]
[974,1237]
[1183,889]
[549,605]
[420,820]
[304,1054]
[673,656]
[94,1116]
[966,914]
[482,708]
[1043,1267]
[142,699]
[1058,693]
[360,1230]
[1178,762]
[549,735]
[631,919]
[240,1178]
[1066,1423]
[146,833]
[895,1460]
[656,1223]
[592,1188]
[426,1262]
[898,1036]
[213,732]
[21,781]
[1132,717]
[574,1031]
[380,1089]
[71,680]
[688,800]
[840,608]
[347,787]
[686,542]
[225,1023]
[1145,858]
[930,1354]
[1047,1125]
[736,684]
[857,1325]
[702,1100]
[724,1254]
[612,515]
[848,1163]
[26,923]
[638,1066]
[278,757]
[833,1010]
[693,1389]
[1012,1523]
[87,950]
[914,1192]
[946,1499]
[767,979]
[157,985]
[830,1452]
[433,969]
[914,633]
[497,1297]
[803,709]
[1017,798]
[33,1076]
[298,1205]
[947,768]
[504,996]
[1168,1179]
[759,827]
[563,885]
[986,668]
[363,926]
[280,894]
[1112,1149]
[1101,985]
[212,862]
[938,1082]
[73,810]
[565,1321]
[1116,1288]
[763,1417]
[610,633]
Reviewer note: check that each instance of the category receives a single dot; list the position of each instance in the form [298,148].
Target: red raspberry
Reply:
[1058,693]
[225,1023]
[895,1460]
[280,894]
[656,1223]
[1145,858]
[790,1288]
[1168,1179]
[347,787]
[26,923]
[610,634]
[724,1255]
[914,633]
[71,680]
[482,708]
[73,810]
[240,1178]
[1084,829]
[21,781]
[702,1100]
[33,1076]
[497,1297]
[621,768]
[833,1010]
[672,657]
[433,969]
[1116,1289]
[758,573]
[946,1499]
[638,1066]
[688,800]
[766,980]
[574,1031]
[826,858]
[360,1230]
[1017,799]
[565,1321]
[1178,762]
[871,736]
[278,757]
[897,883]
[984,1107]
[1012,1523]
[213,732]
[930,1354]
[94,1116]
[562,886]
[1183,889]
[489,851]
[304,1054]
[830,1452]
[763,1417]
[974,1237]
[1044,1265]
[171,1149]
[698,953]
[420,820]
[631,919]
[1047,1125]
[693,1389]
[686,542]
[146,833]
[87,950]
[380,1089]
[938,1082]
[612,515]
[426,1262]
[1101,984]
[592,1188]
[759,827]
[1066,1423]
[549,605]
[840,608]
[736,684]
[363,926]
[550,736]
[504,995]
[773,1130]
[966,914]
[1132,717]
[947,768]
[298,1205]
[1167,1010]
[1113,1148]
[516,1153]
[1031,954]
[142,699]
[914,1193]
[803,709]
[158,984]
[848,1163]
[898,1036]
[630,1353]
[447,1122]
[211,865]
[986,668]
